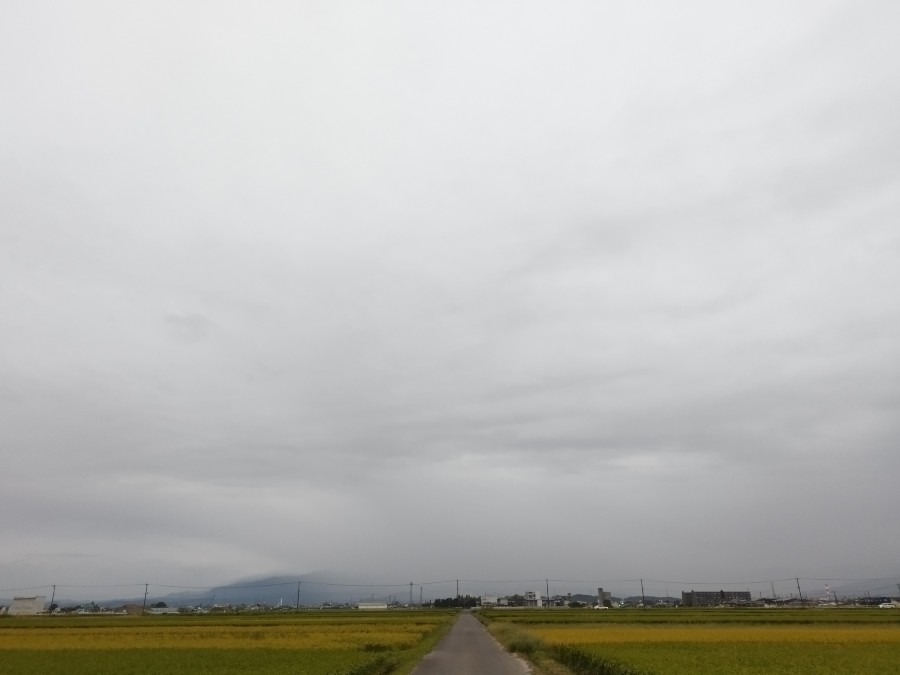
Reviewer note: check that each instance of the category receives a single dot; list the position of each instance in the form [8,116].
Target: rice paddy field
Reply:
[308,643]
[708,641]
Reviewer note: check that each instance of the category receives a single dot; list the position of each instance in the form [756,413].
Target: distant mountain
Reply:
[889,587]
[315,589]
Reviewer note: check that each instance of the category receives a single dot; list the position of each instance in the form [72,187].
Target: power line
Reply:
[877,583]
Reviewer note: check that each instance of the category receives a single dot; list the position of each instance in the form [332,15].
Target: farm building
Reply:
[713,598]
[27,606]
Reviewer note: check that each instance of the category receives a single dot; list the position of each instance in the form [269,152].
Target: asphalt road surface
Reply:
[468,649]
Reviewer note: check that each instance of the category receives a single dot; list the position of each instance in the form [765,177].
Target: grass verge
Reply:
[554,659]
[406,662]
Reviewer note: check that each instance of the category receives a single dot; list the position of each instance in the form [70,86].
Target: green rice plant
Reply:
[183,661]
[754,659]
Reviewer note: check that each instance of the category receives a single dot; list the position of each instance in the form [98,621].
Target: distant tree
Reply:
[461,601]
[159,605]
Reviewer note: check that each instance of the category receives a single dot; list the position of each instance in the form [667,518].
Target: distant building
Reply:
[27,606]
[372,605]
[713,598]
[164,610]
[533,599]
[489,600]
[604,598]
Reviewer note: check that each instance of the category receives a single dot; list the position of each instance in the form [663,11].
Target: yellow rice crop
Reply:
[328,637]
[625,634]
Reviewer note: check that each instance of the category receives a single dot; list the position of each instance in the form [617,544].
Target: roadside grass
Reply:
[553,659]
[407,660]
[313,643]
[704,642]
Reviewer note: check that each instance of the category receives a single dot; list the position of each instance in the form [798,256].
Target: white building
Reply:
[163,610]
[533,599]
[27,606]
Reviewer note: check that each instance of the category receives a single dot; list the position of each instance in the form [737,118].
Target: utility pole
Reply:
[420,596]
[548,592]
[144,608]
[298,595]
[799,592]
[457,588]
[643,600]
[410,594]
[52,596]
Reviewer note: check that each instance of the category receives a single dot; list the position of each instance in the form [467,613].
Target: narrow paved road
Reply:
[468,649]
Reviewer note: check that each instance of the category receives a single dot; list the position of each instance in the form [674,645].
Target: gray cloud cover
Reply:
[426,290]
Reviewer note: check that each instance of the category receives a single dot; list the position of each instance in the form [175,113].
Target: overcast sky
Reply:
[427,290]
